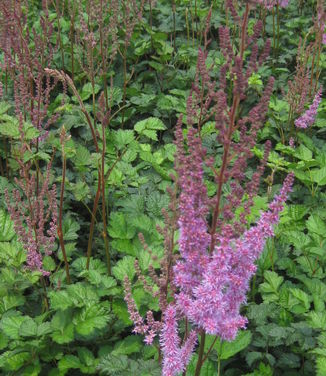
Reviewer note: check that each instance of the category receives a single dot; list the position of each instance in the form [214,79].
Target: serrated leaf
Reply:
[124,267]
[28,328]
[129,345]
[303,153]
[321,366]
[82,156]
[12,361]
[11,325]
[89,319]
[86,356]
[60,300]
[317,320]
[87,90]
[316,225]
[4,107]
[68,362]
[119,227]
[228,349]
[7,231]
[63,328]
[149,126]
[269,289]
[208,368]
[69,229]
[81,294]
[122,138]
[119,307]
[11,301]
[301,296]
[319,176]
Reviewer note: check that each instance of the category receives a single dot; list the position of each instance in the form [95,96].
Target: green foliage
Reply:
[50,327]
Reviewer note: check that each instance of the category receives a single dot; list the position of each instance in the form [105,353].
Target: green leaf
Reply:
[12,361]
[129,345]
[317,320]
[302,297]
[124,267]
[28,328]
[4,107]
[269,289]
[208,368]
[149,126]
[10,128]
[12,253]
[82,156]
[125,246]
[303,153]
[7,231]
[82,294]
[119,227]
[119,308]
[123,138]
[11,301]
[87,91]
[89,319]
[68,362]
[60,300]
[321,366]
[86,356]
[228,349]
[113,365]
[48,263]
[316,225]
[69,229]
[11,326]
[63,328]
[319,176]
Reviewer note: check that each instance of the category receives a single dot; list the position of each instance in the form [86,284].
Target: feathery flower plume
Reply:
[309,117]
[174,358]
[35,217]
[215,303]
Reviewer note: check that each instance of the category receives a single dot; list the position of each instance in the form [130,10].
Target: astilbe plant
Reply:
[26,53]
[33,210]
[308,118]
[206,283]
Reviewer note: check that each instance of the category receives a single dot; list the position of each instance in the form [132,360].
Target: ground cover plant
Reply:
[162,175]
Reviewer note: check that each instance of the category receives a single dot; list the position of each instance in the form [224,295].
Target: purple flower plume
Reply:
[309,117]
[215,303]
[174,358]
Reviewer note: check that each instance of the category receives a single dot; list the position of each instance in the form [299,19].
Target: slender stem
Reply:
[57,6]
[46,299]
[278,27]
[124,58]
[91,229]
[200,353]
[234,108]
[72,32]
[104,233]
[60,232]
[103,56]
[174,25]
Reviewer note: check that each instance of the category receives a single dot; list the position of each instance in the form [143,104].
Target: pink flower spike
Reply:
[309,117]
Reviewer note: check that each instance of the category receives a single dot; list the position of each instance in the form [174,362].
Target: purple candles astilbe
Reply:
[204,278]
[215,303]
[175,358]
[308,118]
[194,239]
[34,214]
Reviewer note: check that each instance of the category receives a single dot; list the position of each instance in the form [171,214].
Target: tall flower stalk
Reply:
[209,279]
